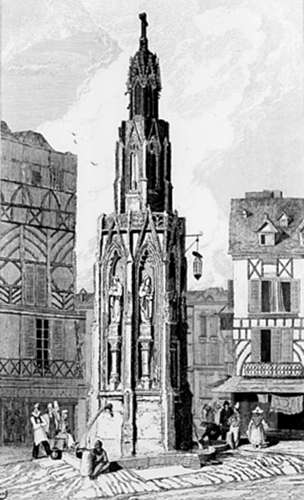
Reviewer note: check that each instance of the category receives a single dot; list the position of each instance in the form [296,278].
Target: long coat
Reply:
[39,428]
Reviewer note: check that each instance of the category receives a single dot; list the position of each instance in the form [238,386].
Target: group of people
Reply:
[228,420]
[51,430]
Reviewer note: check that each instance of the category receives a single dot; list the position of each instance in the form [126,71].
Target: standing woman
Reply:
[257,429]
[39,432]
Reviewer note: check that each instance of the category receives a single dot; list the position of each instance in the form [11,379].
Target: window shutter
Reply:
[212,326]
[276,341]
[203,326]
[41,293]
[295,296]
[255,346]
[29,282]
[28,337]
[254,299]
[58,339]
[213,353]
[287,340]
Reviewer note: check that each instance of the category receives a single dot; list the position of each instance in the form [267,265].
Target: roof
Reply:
[26,137]
[248,215]
[262,385]
[212,295]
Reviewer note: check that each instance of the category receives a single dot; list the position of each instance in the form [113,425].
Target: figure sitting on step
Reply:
[98,460]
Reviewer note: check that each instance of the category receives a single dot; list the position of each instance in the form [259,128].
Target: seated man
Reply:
[99,460]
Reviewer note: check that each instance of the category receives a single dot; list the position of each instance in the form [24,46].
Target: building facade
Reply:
[210,345]
[41,332]
[267,248]
[139,356]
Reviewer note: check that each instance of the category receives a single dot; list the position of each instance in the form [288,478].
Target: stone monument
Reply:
[139,339]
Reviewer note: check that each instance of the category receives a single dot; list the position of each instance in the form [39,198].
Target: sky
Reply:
[232,78]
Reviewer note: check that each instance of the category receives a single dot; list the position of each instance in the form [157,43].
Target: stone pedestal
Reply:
[145,341]
[115,343]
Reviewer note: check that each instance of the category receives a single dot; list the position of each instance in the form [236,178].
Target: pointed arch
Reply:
[22,196]
[148,262]
[50,201]
[71,204]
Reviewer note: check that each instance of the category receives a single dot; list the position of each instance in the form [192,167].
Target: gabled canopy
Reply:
[267,226]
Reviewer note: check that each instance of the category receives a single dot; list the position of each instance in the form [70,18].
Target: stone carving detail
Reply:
[115,296]
[114,332]
[146,300]
[145,296]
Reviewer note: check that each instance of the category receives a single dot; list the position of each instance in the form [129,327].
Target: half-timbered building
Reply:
[266,245]
[41,333]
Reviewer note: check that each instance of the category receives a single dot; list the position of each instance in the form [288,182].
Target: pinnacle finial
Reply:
[144,24]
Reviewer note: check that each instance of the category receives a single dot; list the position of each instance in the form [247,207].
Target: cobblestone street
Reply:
[244,474]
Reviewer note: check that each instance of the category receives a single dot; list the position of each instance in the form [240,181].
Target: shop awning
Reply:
[260,385]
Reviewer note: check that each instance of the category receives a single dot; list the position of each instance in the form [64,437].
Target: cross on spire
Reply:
[144,24]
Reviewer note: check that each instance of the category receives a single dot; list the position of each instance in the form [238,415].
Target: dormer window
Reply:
[267,239]
[244,213]
[283,220]
[267,233]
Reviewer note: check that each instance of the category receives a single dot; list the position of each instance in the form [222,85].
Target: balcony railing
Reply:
[36,368]
[273,370]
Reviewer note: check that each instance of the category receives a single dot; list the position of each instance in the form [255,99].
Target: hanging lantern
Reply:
[197,265]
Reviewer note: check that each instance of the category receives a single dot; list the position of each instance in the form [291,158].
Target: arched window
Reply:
[133,171]
[149,100]
[152,169]
[137,99]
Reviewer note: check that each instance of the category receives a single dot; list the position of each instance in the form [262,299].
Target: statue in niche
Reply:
[146,300]
[115,294]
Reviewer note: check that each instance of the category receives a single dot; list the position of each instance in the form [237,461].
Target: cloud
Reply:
[232,92]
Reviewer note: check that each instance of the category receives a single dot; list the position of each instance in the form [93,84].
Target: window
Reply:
[35,284]
[42,343]
[265,346]
[36,177]
[272,345]
[133,171]
[274,295]
[203,327]
[283,220]
[284,296]
[56,177]
[226,321]
[267,239]
[266,296]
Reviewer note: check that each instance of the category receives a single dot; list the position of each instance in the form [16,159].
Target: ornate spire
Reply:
[143,154]
[144,82]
